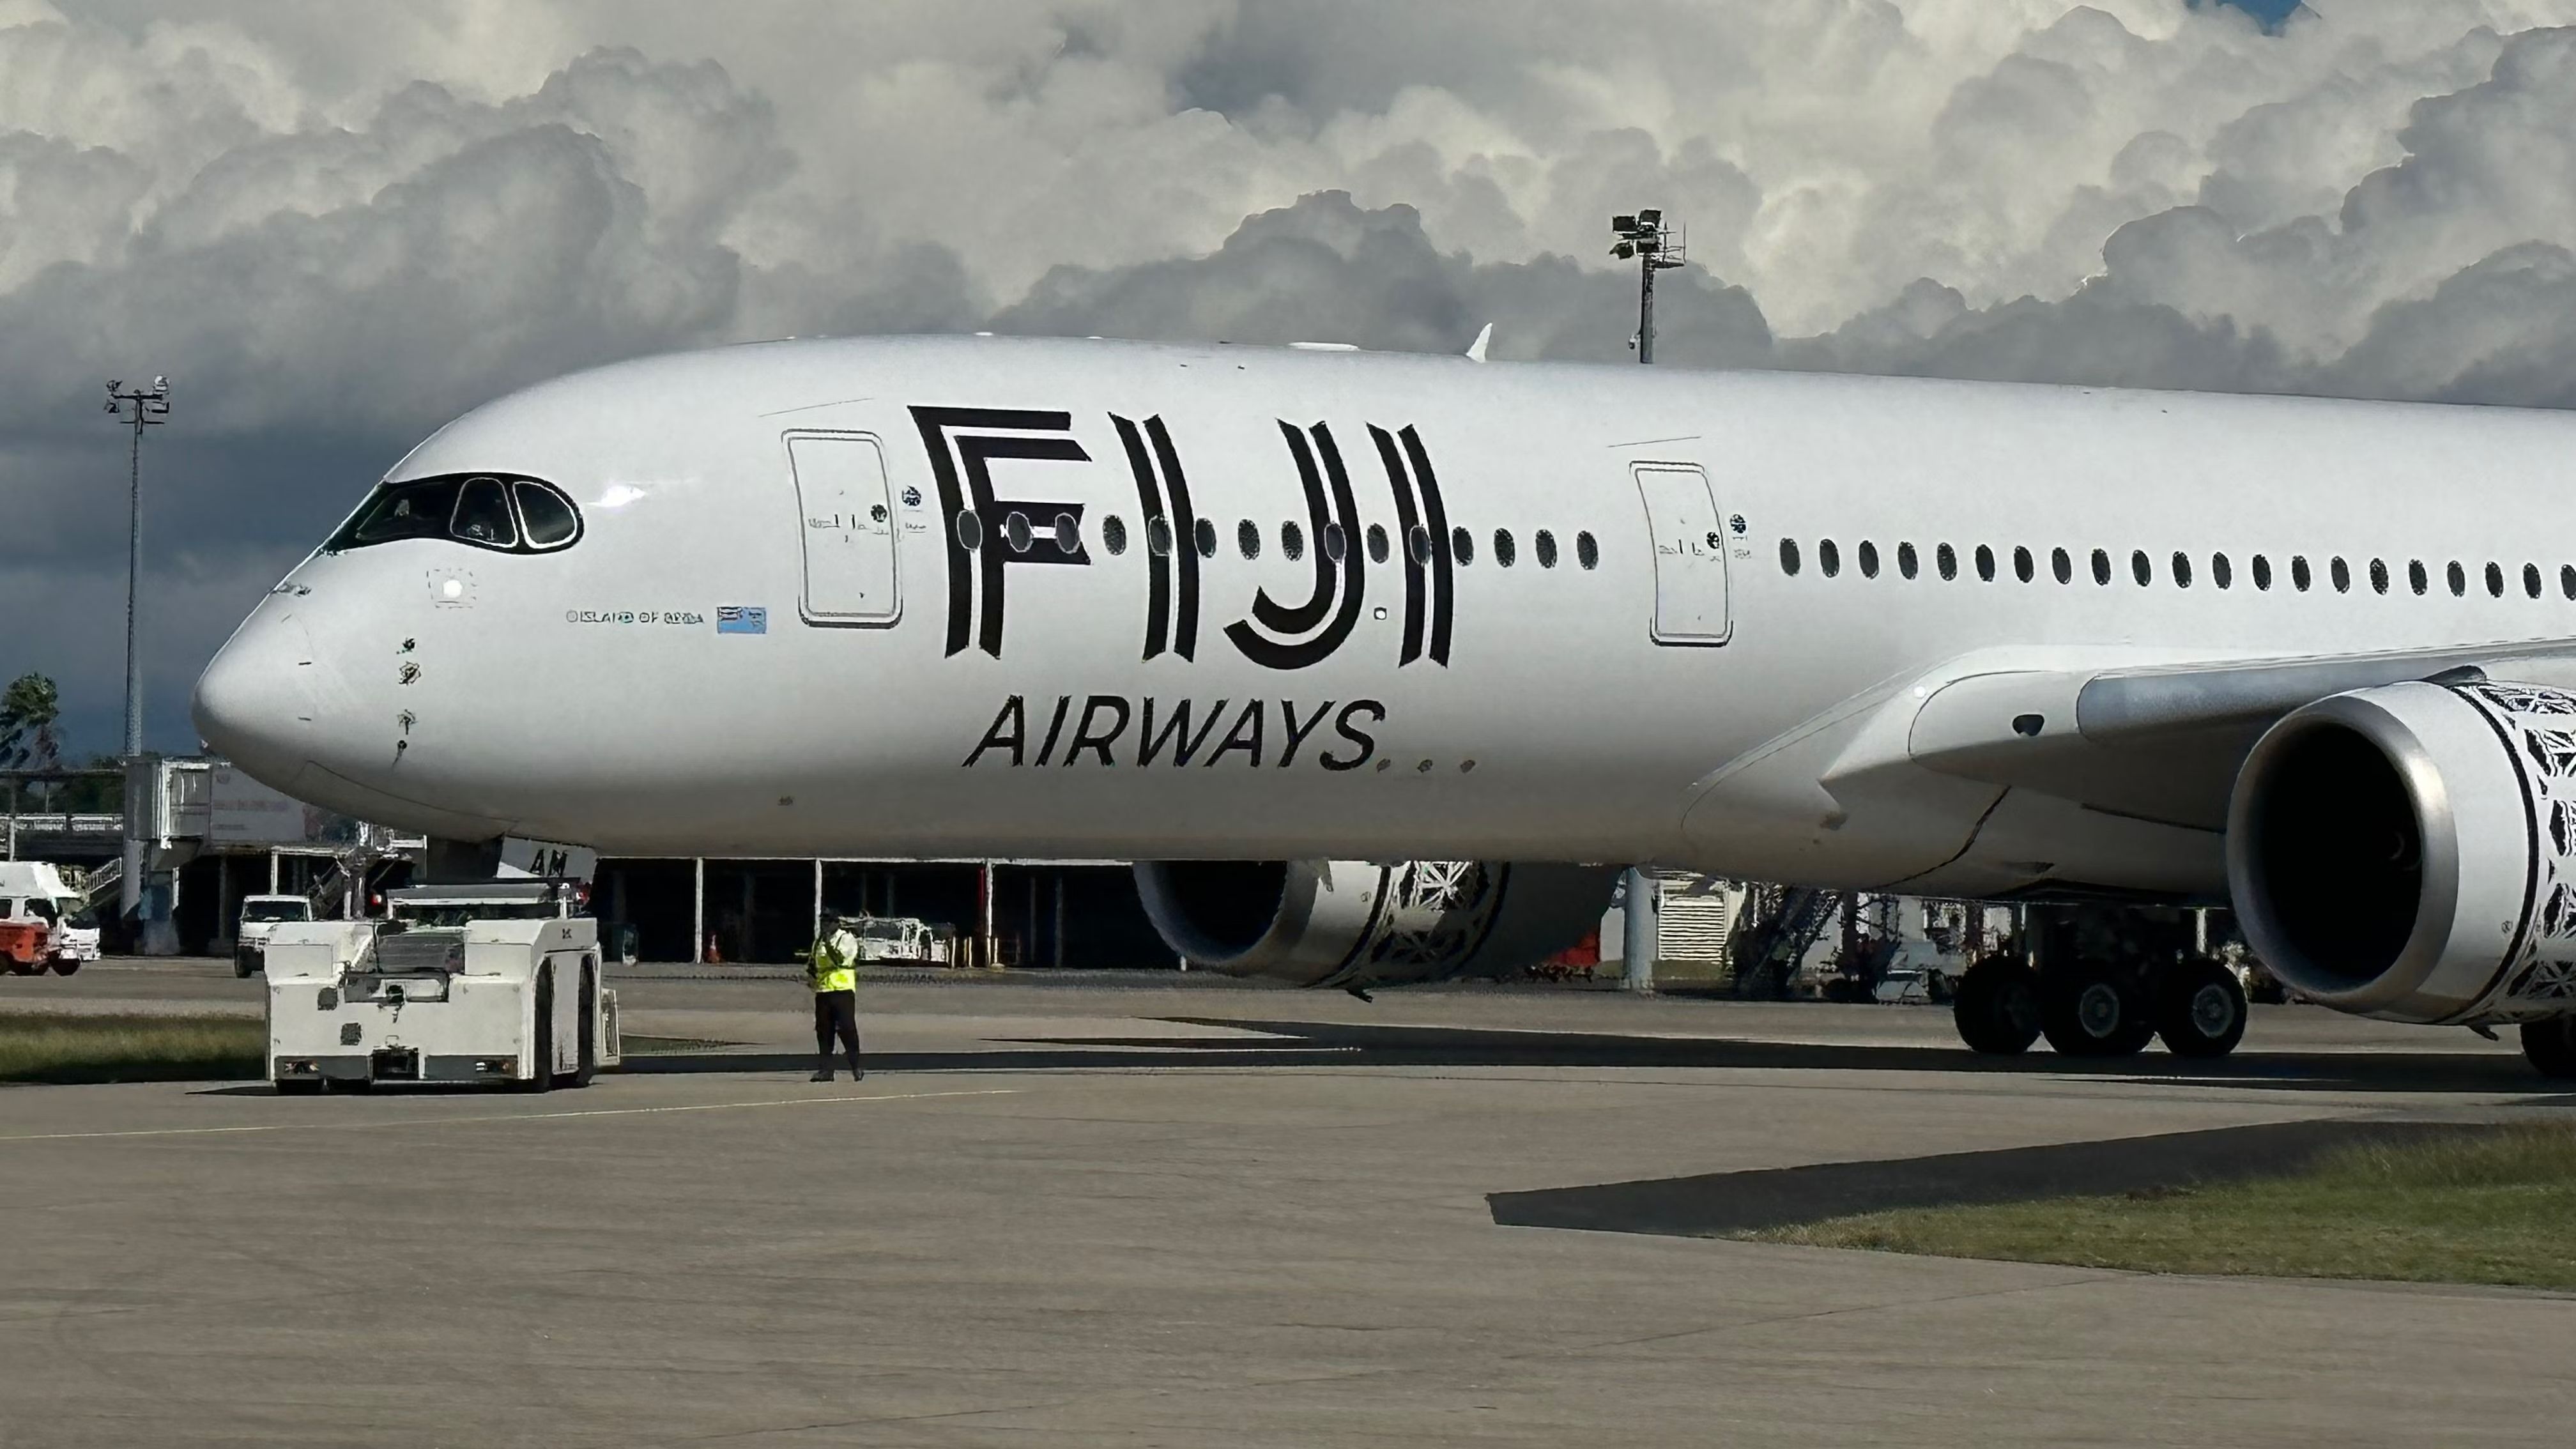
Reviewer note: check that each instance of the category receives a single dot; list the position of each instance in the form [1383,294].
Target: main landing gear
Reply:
[2102,982]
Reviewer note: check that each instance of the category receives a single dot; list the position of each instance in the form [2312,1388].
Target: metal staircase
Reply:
[1767,949]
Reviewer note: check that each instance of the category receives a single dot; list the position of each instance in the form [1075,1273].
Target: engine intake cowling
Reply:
[2409,851]
[1358,923]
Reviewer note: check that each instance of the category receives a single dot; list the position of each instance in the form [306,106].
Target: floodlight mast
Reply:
[1644,238]
[140,408]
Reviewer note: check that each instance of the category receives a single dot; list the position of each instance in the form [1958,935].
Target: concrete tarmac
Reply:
[1181,1216]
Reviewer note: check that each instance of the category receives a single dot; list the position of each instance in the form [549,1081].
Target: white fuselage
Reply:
[908,695]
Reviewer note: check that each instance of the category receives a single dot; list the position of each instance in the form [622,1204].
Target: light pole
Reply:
[1657,248]
[140,407]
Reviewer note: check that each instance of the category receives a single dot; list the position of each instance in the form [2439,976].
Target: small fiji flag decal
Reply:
[741,619]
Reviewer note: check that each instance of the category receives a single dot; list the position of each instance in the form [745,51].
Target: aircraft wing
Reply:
[2163,742]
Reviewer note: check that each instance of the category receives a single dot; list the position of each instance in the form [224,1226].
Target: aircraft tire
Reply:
[2200,1009]
[1996,1009]
[2550,1047]
[2091,1009]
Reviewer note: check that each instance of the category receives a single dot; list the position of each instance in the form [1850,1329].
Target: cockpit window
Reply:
[483,514]
[403,510]
[505,514]
[547,514]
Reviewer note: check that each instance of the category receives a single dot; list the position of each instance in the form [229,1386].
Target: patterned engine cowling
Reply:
[2409,851]
[1358,923]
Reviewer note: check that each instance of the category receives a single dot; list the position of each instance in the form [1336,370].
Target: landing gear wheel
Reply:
[2087,1009]
[2550,1047]
[1997,1007]
[2200,1009]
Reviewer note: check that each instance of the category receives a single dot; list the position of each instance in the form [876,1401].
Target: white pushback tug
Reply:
[493,983]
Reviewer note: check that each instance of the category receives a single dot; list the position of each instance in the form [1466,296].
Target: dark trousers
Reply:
[836,1016]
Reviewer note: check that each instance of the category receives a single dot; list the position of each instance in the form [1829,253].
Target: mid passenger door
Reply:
[1690,554]
[847,525]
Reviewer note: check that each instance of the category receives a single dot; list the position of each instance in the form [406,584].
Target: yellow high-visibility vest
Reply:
[830,966]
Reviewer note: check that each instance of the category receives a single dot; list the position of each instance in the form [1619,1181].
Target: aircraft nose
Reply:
[254,703]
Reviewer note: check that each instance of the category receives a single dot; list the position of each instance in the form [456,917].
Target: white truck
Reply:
[902,940]
[495,983]
[260,916]
[46,922]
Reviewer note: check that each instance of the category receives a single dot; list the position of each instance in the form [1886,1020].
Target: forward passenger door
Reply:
[847,527]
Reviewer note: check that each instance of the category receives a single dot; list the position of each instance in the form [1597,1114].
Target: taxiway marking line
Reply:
[495,1117]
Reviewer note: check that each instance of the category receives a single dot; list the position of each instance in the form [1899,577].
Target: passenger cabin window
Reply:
[504,514]
[1206,538]
[1505,554]
[1377,543]
[2262,572]
[2102,567]
[1418,540]
[1946,559]
[2567,581]
[1906,563]
[1829,558]
[2416,578]
[2062,566]
[2023,568]
[2458,578]
[1789,557]
[1985,563]
[1587,550]
[2221,572]
[1158,535]
[2379,576]
[2495,581]
[1334,544]
[2531,580]
[1247,538]
[2139,569]
[2181,569]
[1292,541]
[1113,535]
[1546,546]
[1462,546]
[970,531]
[1868,559]
[2342,575]
[2299,576]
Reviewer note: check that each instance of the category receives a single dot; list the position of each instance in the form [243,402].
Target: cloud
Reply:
[336,223]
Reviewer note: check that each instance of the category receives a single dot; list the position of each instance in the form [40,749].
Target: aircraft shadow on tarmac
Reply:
[1302,1045]
[1723,1203]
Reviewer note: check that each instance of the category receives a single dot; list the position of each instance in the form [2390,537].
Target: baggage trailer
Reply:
[501,1000]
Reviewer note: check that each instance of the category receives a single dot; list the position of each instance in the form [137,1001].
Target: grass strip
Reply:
[2483,1205]
[131,1048]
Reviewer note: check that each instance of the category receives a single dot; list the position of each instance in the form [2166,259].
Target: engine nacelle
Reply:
[2409,851]
[1354,923]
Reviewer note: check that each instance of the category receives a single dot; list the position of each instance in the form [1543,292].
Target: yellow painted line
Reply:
[496,1117]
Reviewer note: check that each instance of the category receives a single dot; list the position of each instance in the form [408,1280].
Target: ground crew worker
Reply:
[831,969]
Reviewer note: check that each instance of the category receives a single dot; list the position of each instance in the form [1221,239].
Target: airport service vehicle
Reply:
[494,984]
[899,940]
[261,916]
[1378,665]
[44,923]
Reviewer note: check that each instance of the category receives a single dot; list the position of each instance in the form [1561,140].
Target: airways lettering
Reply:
[1101,724]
